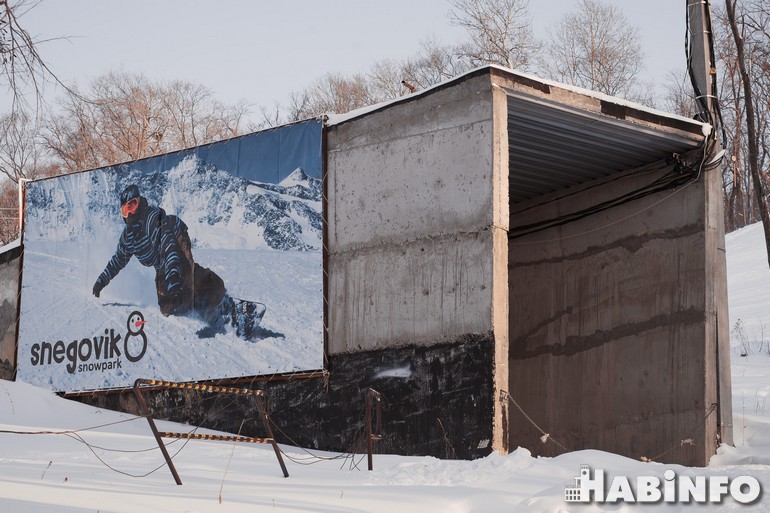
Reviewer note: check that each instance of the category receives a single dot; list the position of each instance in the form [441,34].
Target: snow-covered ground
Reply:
[57,473]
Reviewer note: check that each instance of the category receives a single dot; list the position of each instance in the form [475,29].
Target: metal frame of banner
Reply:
[159,435]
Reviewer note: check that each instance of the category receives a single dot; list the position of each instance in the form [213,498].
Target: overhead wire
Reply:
[682,174]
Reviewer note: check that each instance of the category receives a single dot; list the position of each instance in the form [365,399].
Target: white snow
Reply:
[54,473]
[11,245]
[296,177]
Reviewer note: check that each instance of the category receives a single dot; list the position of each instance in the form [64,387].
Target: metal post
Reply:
[21,206]
[266,422]
[156,434]
[701,59]
[369,428]
[372,395]
[205,388]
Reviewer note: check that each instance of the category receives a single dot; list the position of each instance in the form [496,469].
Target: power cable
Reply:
[75,435]
[91,448]
[312,458]
[70,431]
[682,175]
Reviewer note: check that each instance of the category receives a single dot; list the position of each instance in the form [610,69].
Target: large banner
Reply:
[201,264]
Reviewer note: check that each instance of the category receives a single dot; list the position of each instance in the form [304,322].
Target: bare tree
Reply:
[751,32]
[333,92]
[433,64]
[597,48]
[21,154]
[678,96]
[22,157]
[9,212]
[387,79]
[337,93]
[22,66]
[500,32]
[758,21]
[195,117]
[23,72]
[737,182]
[125,117]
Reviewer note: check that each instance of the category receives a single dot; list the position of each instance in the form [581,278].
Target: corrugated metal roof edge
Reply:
[610,106]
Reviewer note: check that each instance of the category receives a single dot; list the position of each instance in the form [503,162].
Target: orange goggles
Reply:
[130,207]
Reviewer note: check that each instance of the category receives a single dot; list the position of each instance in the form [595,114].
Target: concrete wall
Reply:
[10,271]
[410,209]
[417,210]
[611,341]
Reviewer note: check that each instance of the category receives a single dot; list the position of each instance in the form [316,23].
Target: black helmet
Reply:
[130,203]
[129,193]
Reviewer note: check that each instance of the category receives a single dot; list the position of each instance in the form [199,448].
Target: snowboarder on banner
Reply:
[161,241]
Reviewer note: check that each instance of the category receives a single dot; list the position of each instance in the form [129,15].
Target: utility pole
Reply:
[701,62]
[701,65]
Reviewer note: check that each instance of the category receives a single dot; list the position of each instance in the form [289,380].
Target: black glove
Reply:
[97,288]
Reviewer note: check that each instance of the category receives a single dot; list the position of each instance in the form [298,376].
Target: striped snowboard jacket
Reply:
[154,239]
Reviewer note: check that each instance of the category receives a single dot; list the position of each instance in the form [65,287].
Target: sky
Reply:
[261,51]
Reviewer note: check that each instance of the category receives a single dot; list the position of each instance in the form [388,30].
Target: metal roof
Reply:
[553,145]
[560,135]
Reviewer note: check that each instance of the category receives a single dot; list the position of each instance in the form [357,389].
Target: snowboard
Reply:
[245,317]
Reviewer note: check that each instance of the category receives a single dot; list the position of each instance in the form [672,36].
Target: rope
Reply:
[227,467]
[545,436]
[686,441]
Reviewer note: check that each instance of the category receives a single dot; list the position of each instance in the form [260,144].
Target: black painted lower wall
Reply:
[436,401]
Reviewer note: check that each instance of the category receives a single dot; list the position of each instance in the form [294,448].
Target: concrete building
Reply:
[508,257]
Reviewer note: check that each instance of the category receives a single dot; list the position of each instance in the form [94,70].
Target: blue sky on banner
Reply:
[268,156]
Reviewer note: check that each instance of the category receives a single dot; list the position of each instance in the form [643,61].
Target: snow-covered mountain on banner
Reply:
[221,210]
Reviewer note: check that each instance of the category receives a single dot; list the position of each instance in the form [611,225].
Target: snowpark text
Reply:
[700,489]
[104,347]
